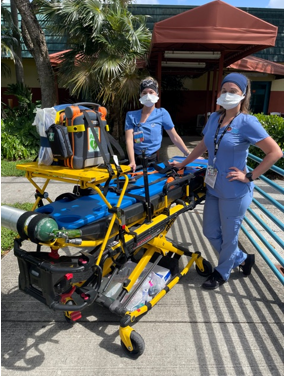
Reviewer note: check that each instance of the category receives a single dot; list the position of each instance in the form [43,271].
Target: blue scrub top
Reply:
[152,129]
[244,131]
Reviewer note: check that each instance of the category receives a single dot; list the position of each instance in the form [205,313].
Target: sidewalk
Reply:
[236,330]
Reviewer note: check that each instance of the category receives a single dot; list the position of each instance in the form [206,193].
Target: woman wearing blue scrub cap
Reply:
[228,135]
[144,127]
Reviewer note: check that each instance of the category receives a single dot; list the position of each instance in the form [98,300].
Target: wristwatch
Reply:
[249,176]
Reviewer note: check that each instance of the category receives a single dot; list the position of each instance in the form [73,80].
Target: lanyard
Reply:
[217,143]
[138,127]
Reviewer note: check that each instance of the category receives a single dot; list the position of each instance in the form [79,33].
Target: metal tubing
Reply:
[271,183]
[40,190]
[10,217]
[271,216]
[265,242]
[274,168]
[264,225]
[272,200]
[146,187]
[263,255]
[114,217]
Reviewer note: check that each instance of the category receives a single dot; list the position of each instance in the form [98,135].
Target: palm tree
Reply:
[105,41]
[8,41]
[35,42]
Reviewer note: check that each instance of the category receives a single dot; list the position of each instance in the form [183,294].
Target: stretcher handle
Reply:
[178,181]
[93,104]
[65,307]
[51,268]
[146,186]
[47,266]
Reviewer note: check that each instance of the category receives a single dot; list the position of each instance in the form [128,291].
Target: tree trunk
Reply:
[34,39]
[19,69]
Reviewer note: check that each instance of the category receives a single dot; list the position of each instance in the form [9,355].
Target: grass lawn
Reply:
[8,236]
[8,168]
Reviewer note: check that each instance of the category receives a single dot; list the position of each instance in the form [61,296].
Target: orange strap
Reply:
[141,173]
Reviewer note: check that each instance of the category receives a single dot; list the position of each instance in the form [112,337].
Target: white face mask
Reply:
[229,100]
[149,100]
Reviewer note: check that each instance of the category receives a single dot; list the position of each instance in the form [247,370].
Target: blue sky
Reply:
[235,3]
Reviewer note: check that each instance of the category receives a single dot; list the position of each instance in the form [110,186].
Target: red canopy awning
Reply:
[57,57]
[213,27]
[216,27]
[252,63]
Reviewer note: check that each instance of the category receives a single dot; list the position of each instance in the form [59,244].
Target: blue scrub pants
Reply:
[221,224]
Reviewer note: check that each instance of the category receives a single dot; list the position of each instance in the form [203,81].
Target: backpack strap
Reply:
[107,164]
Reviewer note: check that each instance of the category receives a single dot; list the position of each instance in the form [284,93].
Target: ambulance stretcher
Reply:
[125,219]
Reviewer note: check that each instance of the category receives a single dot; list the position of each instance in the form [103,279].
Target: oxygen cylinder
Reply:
[43,227]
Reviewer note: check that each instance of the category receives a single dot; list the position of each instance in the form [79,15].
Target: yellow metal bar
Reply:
[173,282]
[35,205]
[93,186]
[54,177]
[187,191]
[114,217]
[199,263]
[125,335]
[40,190]
[65,174]
[163,244]
[142,310]
[140,267]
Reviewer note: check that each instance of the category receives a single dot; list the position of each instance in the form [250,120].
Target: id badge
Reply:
[138,136]
[211,176]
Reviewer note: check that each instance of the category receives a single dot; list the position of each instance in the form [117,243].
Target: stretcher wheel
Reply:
[207,269]
[71,316]
[137,343]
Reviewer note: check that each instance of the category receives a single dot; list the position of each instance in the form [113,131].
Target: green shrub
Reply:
[11,146]
[19,138]
[274,125]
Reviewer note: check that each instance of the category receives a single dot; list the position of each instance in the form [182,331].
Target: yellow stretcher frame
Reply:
[91,177]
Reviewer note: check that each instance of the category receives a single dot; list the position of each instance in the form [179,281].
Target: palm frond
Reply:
[106,41]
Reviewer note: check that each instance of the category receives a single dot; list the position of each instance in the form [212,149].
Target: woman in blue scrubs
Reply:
[144,127]
[227,136]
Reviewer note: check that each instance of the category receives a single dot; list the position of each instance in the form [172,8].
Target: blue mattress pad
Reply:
[73,214]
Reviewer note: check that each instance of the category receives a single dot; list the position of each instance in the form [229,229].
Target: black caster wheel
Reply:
[207,269]
[138,345]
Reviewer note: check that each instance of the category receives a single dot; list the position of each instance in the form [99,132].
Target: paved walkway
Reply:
[236,330]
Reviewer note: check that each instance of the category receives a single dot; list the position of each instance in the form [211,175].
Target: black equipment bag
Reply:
[59,141]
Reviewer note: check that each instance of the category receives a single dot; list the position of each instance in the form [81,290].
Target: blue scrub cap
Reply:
[238,79]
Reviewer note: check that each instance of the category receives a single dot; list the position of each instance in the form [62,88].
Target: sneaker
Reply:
[213,281]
